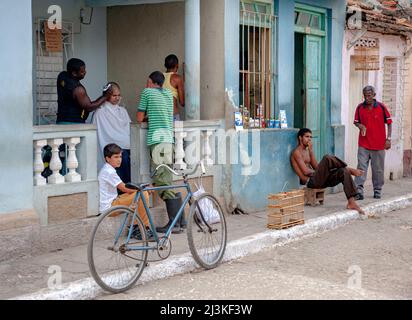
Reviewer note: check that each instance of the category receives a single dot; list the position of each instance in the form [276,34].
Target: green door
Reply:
[313,86]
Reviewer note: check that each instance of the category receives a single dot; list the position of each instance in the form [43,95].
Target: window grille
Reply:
[257,52]
[48,67]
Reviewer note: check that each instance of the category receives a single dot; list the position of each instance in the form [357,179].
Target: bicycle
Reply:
[116,260]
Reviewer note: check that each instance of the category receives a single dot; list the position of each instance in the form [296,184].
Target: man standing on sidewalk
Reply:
[157,103]
[371,117]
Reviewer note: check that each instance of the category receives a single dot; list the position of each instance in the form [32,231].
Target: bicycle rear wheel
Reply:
[112,266]
[206,231]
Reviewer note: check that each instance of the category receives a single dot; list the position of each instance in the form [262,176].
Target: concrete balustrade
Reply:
[55,164]
[80,177]
[193,142]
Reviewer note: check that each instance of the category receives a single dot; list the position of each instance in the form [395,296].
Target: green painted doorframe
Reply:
[314,39]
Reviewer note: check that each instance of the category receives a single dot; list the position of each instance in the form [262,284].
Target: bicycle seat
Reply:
[137,186]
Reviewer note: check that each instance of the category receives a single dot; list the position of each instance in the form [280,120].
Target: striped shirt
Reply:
[158,104]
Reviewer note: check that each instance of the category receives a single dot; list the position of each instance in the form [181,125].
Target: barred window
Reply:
[257,54]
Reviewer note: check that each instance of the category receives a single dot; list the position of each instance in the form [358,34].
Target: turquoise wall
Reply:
[286,50]
[275,173]
[250,192]
[16,100]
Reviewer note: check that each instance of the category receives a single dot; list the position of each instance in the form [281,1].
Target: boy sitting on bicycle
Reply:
[109,182]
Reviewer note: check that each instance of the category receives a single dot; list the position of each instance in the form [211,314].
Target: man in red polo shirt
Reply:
[371,117]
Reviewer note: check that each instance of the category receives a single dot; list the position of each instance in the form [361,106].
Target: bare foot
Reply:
[356,172]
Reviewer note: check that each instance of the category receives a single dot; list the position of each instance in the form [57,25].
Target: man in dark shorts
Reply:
[328,173]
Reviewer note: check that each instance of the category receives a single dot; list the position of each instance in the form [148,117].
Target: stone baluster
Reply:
[38,166]
[71,162]
[55,163]
[180,135]
[207,150]
[193,150]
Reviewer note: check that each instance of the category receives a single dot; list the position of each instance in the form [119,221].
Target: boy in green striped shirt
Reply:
[157,103]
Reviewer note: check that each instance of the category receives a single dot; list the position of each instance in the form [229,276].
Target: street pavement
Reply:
[38,277]
[369,259]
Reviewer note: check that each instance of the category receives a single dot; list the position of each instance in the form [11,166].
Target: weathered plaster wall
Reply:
[407,119]
[212,57]
[407,111]
[271,171]
[390,46]
[139,39]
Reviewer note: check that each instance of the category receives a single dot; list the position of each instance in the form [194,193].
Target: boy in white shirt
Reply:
[110,182]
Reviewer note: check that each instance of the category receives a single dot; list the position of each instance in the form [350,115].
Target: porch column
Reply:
[16,96]
[192,56]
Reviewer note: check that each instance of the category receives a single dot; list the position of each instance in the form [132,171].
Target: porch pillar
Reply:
[192,56]
[16,96]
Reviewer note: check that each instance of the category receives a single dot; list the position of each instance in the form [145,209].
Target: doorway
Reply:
[310,73]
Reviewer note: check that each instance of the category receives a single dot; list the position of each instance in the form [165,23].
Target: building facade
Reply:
[377,52]
[258,57]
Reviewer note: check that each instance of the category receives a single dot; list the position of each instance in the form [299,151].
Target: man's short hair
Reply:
[303,131]
[111,149]
[171,61]
[109,87]
[369,88]
[158,78]
[74,65]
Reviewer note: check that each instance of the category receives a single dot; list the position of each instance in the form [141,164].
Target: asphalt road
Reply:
[370,259]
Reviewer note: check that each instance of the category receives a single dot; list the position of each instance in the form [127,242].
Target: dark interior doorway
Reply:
[299,111]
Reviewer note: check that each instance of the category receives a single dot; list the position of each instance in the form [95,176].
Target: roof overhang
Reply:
[111,3]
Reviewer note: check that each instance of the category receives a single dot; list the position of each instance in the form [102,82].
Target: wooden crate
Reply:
[314,196]
[286,209]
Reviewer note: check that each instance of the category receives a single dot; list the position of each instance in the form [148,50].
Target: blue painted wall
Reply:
[232,9]
[16,101]
[286,50]
[336,28]
[285,10]
[250,192]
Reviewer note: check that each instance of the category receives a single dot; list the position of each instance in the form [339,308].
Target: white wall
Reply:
[90,41]
[390,46]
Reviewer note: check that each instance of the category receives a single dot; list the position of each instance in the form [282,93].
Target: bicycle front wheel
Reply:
[113,266]
[206,231]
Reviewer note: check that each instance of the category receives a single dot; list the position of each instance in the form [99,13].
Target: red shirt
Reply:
[374,121]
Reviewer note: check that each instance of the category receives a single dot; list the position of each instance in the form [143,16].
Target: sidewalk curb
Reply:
[85,289]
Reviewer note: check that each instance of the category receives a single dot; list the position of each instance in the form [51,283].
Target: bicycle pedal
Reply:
[146,265]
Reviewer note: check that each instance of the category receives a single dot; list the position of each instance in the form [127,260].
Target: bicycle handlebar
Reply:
[183,173]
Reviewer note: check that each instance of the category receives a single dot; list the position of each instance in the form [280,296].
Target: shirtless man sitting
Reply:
[328,173]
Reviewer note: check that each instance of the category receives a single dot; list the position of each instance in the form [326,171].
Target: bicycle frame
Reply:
[186,185]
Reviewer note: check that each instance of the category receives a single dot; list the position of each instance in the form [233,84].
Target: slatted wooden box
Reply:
[286,209]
